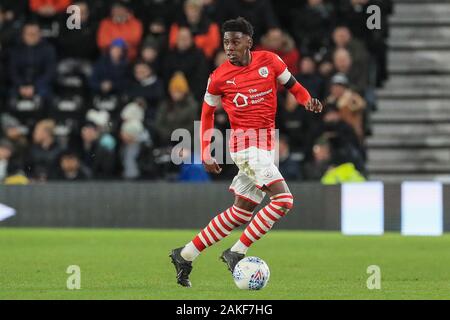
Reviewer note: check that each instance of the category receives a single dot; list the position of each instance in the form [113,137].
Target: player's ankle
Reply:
[189,252]
[239,247]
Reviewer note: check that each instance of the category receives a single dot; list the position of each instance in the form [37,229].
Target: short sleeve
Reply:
[281,71]
[212,94]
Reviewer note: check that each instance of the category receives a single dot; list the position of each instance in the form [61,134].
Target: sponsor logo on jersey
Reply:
[240,100]
[232,81]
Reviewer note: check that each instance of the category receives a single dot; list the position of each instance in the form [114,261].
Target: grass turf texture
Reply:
[134,264]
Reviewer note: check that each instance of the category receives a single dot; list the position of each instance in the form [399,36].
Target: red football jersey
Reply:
[249,96]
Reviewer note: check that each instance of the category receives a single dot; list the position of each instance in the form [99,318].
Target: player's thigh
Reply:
[247,195]
[244,203]
[267,175]
[276,188]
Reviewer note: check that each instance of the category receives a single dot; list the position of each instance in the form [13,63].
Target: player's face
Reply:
[236,46]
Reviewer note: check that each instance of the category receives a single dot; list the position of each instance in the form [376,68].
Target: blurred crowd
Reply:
[101,101]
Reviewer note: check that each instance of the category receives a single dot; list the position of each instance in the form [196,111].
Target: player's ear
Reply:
[250,43]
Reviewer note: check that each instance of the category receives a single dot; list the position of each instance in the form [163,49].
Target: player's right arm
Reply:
[211,101]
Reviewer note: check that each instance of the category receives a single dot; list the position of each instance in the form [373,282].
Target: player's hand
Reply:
[314,105]
[211,166]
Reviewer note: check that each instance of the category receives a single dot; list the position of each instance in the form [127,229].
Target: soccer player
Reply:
[246,86]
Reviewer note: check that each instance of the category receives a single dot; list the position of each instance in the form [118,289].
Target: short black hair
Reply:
[69,153]
[31,22]
[238,25]
[90,124]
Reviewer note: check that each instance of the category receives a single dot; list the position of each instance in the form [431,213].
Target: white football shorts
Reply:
[256,169]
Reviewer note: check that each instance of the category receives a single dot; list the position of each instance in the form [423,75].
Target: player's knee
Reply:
[248,218]
[245,208]
[284,201]
[243,214]
[288,203]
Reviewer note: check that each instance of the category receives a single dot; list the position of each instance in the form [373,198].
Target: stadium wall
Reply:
[180,206]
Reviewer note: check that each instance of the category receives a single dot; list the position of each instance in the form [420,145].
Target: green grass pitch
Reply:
[134,264]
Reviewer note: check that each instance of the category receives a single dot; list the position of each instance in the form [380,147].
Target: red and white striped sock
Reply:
[263,221]
[219,227]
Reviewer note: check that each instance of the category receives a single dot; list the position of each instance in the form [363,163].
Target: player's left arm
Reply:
[302,95]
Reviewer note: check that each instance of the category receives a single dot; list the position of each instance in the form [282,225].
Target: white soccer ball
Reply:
[251,273]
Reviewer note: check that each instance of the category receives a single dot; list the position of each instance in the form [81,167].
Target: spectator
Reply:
[146,84]
[288,165]
[16,178]
[12,16]
[149,11]
[178,111]
[3,74]
[350,104]
[96,151]
[134,110]
[284,12]
[70,39]
[342,38]
[205,32]
[138,110]
[321,160]
[344,143]
[191,170]
[310,79]
[15,134]
[32,65]
[103,120]
[49,14]
[121,24]
[185,57]
[219,58]
[110,72]
[294,122]
[342,173]
[75,64]
[353,13]
[70,168]
[43,153]
[343,63]
[210,9]
[283,45]
[326,69]
[312,26]
[136,152]
[6,152]
[157,35]
[258,12]
[49,8]
[362,71]
[151,54]
[3,92]
[16,10]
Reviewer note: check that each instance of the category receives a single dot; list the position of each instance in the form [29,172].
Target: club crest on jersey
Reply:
[268,173]
[263,72]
